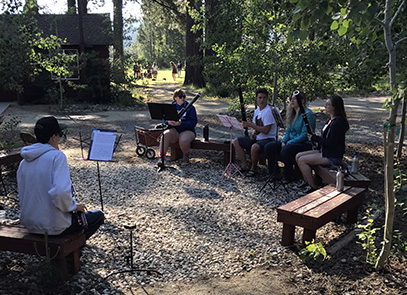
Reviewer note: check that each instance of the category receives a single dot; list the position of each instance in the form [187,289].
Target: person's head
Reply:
[335,107]
[294,99]
[293,107]
[48,130]
[179,96]
[261,97]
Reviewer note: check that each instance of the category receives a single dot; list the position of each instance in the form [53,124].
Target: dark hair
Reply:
[178,93]
[262,90]
[339,107]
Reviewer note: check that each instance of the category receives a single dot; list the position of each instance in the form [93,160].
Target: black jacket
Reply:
[332,142]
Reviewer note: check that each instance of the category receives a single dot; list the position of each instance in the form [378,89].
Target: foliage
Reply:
[367,238]
[313,250]
[9,134]
[24,53]
[161,35]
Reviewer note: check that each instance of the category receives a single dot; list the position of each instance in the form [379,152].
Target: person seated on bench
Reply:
[331,143]
[265,130]
[295,139]
[183,130]
[45,189]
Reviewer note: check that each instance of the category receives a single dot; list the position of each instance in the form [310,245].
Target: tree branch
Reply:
[401,40]
[172,7]
[393,19]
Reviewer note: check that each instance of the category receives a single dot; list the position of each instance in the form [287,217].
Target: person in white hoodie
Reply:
[45,189]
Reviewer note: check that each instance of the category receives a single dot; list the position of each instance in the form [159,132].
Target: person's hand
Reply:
[283,144]
[246,124]
[80,207]
[174,123]
[309,136]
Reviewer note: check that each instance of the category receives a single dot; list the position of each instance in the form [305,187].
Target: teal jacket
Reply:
[297,131]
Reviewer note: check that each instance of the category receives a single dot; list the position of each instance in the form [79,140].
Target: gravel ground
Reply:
[192,223]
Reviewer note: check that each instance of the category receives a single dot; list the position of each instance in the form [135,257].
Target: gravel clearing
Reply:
[192,223]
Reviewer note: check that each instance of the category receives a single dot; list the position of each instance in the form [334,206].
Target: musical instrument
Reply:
[80,216]
[185,109]
[242,109]
[303,112]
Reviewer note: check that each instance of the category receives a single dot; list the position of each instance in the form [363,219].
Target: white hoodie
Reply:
[44,189]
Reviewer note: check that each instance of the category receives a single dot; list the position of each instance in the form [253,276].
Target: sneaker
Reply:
[300,184]
[185,159]
[251,173]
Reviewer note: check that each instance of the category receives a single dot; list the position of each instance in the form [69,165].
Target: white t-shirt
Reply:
[265,117]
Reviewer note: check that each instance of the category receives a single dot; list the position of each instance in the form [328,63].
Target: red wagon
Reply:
[146,138]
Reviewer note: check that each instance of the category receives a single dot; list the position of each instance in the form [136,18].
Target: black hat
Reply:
[46,127]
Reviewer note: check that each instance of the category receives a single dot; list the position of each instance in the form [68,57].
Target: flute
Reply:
[242,109]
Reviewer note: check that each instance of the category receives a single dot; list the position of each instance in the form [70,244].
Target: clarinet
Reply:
[80,216]
[242,109]
[303,112]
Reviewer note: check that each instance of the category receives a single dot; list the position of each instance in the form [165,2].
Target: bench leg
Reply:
[288,235]
[352,215]
[308,235]
[176,153]
[71,262]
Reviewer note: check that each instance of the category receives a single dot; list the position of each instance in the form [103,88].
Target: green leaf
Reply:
[342,30]
[346,23]
[303,34]
[343,11]
[329,9]
[334,25]
[297,10]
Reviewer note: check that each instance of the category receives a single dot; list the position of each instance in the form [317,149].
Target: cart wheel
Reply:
[150,154]
[140,151]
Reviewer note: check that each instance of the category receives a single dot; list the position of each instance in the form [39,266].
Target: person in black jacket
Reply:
[331,143]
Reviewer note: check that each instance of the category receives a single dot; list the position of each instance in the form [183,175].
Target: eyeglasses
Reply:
[296,92]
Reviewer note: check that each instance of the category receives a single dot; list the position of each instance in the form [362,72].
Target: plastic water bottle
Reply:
[355,163]
[340,180]
[2,213]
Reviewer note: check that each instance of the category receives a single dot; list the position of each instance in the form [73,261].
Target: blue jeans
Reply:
[95,219]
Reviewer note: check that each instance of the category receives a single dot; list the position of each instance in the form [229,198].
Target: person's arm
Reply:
[60,192]
[189,121]
[335,135]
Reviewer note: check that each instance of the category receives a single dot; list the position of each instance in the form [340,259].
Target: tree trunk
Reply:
[118,69]
[389,148]
[194,53]
[72,6]
[402,128]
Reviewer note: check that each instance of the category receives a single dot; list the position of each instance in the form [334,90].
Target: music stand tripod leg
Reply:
[162,167]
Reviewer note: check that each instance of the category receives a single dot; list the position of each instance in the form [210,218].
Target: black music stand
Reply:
[162,111]
[102,146]
[129,260]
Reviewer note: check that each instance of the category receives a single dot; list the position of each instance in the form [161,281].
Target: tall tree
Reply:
[362,21]
[193,50]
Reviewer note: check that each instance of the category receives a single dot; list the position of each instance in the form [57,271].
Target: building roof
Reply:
[97,28]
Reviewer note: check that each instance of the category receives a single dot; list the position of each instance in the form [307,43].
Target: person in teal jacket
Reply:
[295,139]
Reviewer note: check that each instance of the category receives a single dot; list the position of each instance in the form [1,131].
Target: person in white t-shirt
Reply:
[265,130]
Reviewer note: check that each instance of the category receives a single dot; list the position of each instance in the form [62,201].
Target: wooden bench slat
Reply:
[318,208]
[16,238]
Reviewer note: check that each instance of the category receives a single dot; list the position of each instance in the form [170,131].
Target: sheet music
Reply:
[102,145]
[230,122]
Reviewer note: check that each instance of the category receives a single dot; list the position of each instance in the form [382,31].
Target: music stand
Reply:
[102,146]
[231,123]
[129,260]
[162,111]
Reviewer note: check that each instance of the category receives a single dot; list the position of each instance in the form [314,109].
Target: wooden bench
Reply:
[176,152]
[329,176]
[64,249]
[316,209]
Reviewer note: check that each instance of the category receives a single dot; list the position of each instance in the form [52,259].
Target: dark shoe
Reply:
[251,173]
[242,170]
[299,185]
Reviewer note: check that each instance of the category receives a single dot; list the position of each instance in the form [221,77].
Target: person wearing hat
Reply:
[45,189]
